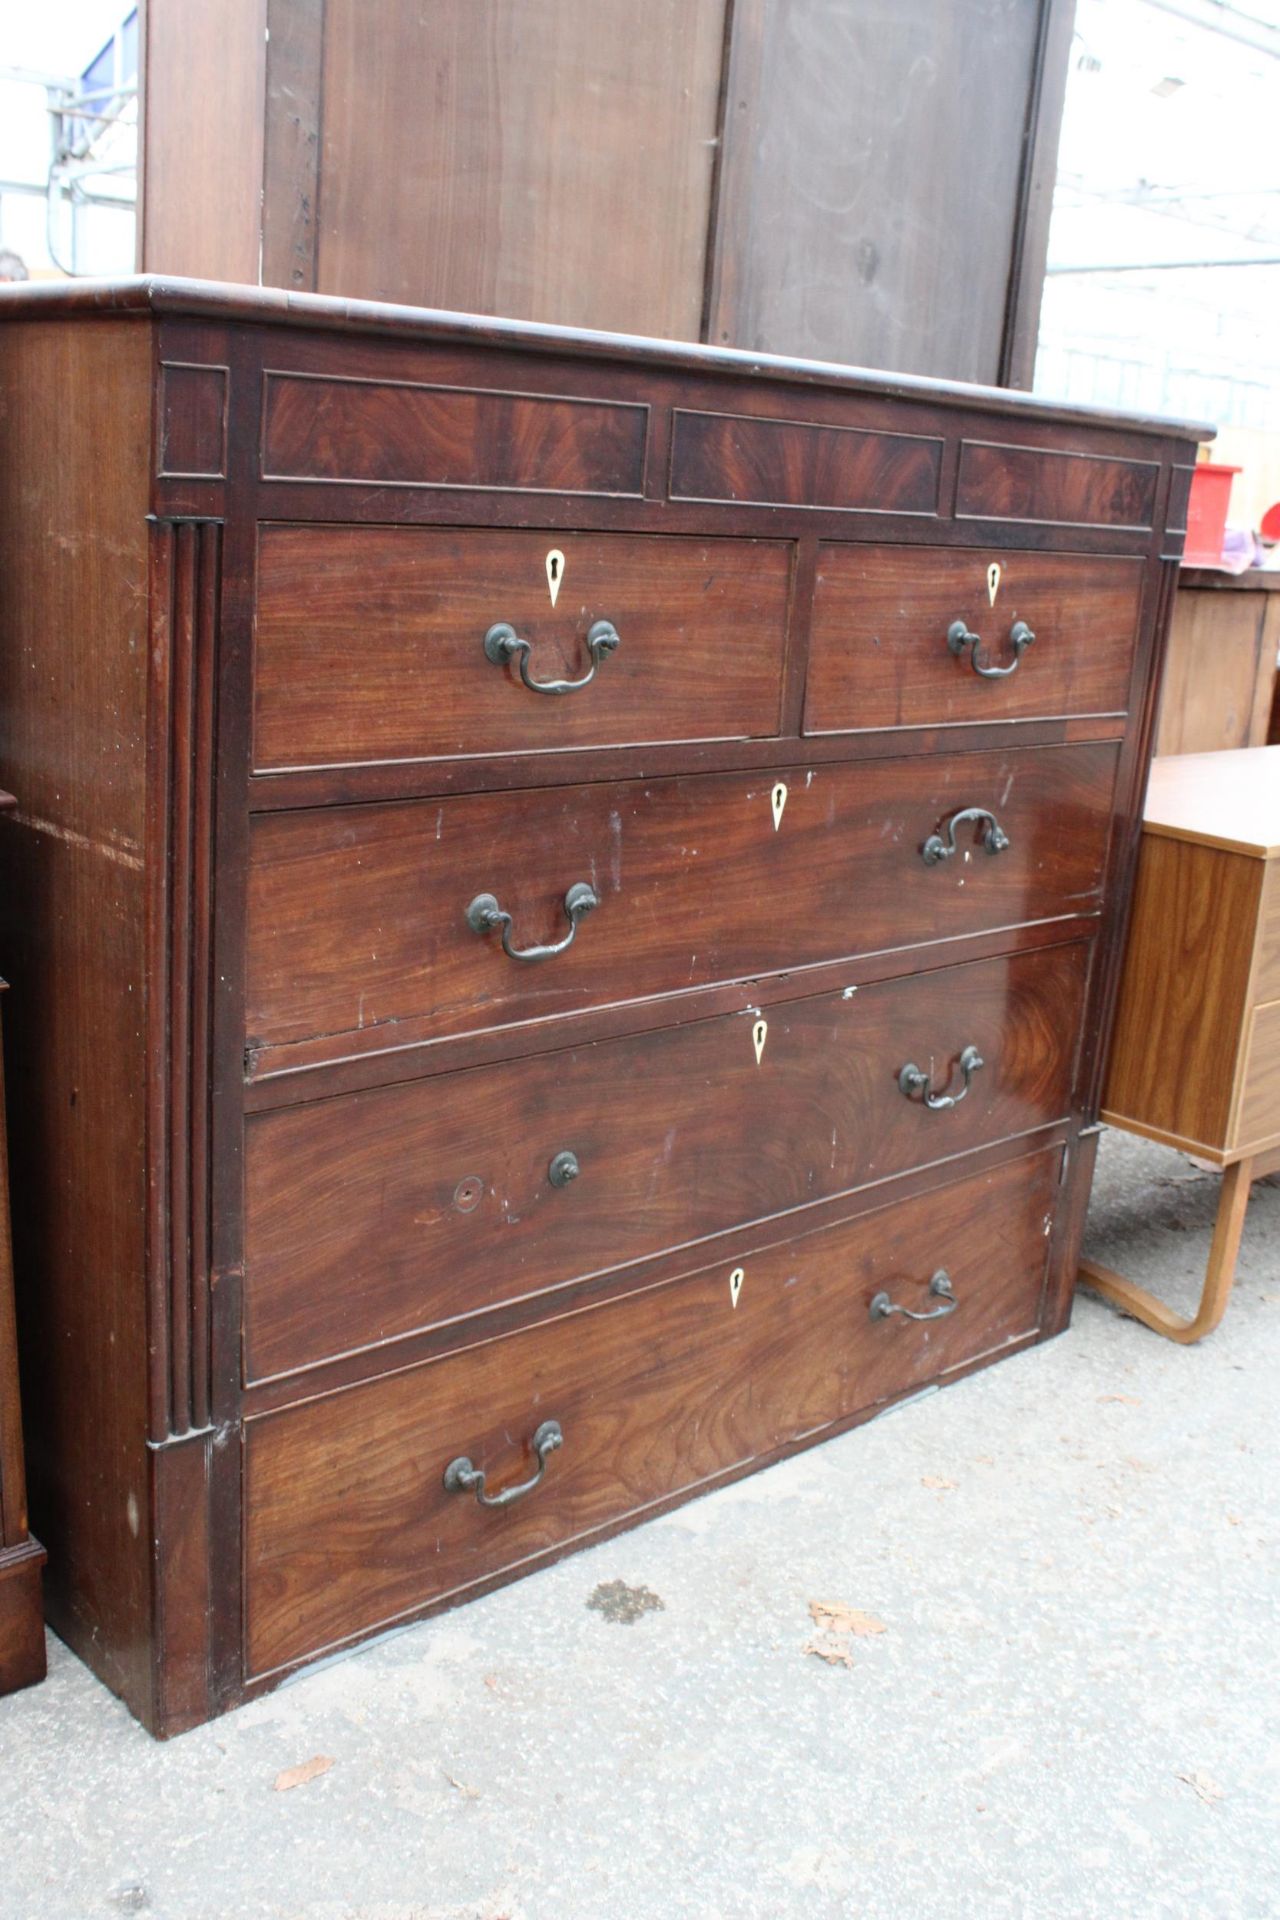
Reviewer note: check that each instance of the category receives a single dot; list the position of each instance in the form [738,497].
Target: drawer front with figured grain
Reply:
[349,1523]
[403,643]
[358,916]
[331,429]
[374,1214]
[913,637]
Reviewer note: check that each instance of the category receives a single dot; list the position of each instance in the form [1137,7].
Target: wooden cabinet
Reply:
[1196,1060]
[470,1057]
[777,175]
[1220,674]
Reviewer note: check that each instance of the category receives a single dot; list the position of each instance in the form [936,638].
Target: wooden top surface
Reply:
[1255,580]
[1229,800]
[152,293]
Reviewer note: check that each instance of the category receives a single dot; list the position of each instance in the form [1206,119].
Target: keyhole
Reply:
[553,567]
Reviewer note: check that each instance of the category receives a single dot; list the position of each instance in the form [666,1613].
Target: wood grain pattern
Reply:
[405,435]
[22,1649]
[839,233]
[357,916]
[74,618]
[399,1169]
[419,601]
[293,116]
[1197,1056]
[297,318]
[201,144]
[1265,985]
[186,563]
[1257,1118]
[350,1527]
[998,482]
[1187,966]
[374,1214]
[879,655]
[550,160]
[192,418]
[793,463]
[1220,672]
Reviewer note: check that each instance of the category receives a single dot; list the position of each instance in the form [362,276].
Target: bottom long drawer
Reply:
[349,1524]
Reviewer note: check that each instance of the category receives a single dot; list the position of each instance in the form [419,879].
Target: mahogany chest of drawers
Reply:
[564,906]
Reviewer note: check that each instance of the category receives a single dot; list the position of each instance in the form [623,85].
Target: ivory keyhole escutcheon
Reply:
[758,1035]
[555,573]
[993,581]
[778,800]
[735,1284]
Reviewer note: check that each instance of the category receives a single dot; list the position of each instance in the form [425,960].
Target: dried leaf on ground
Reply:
[1120,1399]
[299,1776]
[936,1480]
[459,1786]
[1201,1783]
[833,1617]
[835,1652]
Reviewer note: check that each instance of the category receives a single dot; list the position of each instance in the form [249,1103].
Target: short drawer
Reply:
[1265,984]
[348,1523]
[358,929]
[370,641]
[1257,1119]
[887,647]
[373,1214]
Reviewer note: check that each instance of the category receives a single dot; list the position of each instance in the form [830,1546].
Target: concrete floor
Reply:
[1073,1709]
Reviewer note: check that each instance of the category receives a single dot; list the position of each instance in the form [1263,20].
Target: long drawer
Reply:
[370,641]
[880,653]
[380,1212]
[349,1525]
[358,927]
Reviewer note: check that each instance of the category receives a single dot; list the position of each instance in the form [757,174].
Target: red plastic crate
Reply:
[1207,514]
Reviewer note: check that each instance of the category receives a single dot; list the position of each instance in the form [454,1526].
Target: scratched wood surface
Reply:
[357,917]
[386,1211]
[73,612]
[879,653]
[285,1114]
[551,160]
[349,1524]
[369,641]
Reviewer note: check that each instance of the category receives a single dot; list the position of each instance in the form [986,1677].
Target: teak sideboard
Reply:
[564,904]
[1196,1057]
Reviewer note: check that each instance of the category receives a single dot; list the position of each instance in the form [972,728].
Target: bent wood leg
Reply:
[1233,1199]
